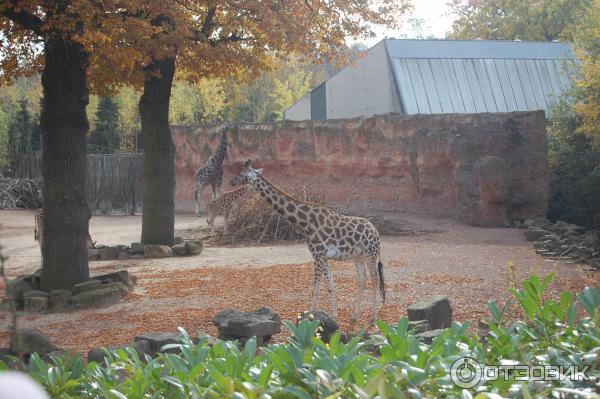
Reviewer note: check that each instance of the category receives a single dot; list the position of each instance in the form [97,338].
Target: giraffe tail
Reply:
[381,282]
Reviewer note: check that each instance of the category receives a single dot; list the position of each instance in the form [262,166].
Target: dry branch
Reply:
[20,193]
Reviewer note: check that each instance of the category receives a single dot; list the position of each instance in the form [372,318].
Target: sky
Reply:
[437,21]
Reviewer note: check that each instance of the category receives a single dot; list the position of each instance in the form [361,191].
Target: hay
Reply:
[20,193]
[257,222]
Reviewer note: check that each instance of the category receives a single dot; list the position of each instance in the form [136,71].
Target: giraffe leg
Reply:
[316,284]
[330,287]
[197,192]
[211,222]
[372,266]
[226,217]
[360,271]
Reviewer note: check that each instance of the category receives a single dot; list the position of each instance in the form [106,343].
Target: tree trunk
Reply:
[158,219]
[64,128]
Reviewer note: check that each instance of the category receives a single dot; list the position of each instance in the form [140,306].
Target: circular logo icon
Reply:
[466,372]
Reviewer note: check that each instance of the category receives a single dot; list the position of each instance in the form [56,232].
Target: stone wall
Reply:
[483,169]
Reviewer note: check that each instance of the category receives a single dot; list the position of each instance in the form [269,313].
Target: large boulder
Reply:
[437,311]
[104,295]
[534,233]
[36,304]
[59,299]
[30,340]
[156,341]
[179,249]
[157,251]
[121,276]
[261,323]
[194,247]
[137,248]
[86,286]
[93,254]
[142,347]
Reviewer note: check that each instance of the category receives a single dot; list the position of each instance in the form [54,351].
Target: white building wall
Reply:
[363,88]
[299,111]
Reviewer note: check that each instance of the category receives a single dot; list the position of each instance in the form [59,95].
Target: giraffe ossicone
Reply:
[328,235]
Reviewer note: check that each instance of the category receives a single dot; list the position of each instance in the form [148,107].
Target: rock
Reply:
[35,304]
[142,347]
[122,287]
[261,323]
[123,256]
[328,326]
[30,340]
[89,285]
[158,340]
[157,251]
[121,276]
[428,336]
[110,253]
[32,293]
[437,311]
[137,248]
[16,287]
[93,254]
[194,247]
[534,233]
[104,295]
[179,249]
[418,326]
[178,240]
[210,340]
[59,299]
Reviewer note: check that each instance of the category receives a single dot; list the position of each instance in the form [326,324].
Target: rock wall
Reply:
[483,169]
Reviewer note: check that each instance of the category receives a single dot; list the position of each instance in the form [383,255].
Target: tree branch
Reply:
[24,19]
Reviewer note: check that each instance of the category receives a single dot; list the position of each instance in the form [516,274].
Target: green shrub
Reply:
[574,171]
[393,365]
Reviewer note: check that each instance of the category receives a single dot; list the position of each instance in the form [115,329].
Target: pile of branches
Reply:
[256,222]
[20,193]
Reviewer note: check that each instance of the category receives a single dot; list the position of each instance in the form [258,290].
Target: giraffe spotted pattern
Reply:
[225,205]
[328,235]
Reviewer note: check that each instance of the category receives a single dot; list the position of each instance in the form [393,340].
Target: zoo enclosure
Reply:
[115,182]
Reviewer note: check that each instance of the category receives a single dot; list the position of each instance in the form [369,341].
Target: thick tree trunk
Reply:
[64,127]
[158,220]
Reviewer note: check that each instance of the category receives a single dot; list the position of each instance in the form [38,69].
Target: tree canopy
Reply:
[545,20]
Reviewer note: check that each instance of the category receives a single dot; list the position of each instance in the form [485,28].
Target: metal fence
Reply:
[115,182]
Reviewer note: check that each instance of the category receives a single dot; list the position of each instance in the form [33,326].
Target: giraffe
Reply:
[225,205]
[211,172]
[37,231]
[328,235]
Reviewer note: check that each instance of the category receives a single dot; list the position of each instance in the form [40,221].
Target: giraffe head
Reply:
[247,175]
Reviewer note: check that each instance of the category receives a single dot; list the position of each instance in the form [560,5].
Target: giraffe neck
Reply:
[219,155]
[297,212]
[239,192]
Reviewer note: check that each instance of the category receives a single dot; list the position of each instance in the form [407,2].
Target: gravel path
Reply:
[469,264]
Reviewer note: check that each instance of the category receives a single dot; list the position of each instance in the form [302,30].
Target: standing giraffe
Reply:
[328,235]
[225,205]
[211,172]
[37,230]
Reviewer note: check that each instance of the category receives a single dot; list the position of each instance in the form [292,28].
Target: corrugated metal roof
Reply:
[446,76]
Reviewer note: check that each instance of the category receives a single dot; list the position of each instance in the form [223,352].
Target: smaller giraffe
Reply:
[225,205]
[37,232]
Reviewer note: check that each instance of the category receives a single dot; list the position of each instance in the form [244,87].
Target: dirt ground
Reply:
[468,264]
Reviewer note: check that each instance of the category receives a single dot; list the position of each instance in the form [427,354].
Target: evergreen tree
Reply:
[105,138]
[19,133]
[36,132]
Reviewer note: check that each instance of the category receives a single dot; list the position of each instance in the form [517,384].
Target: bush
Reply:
[393,365]
[574,171]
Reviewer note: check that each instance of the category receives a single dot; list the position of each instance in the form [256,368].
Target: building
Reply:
[442,76]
